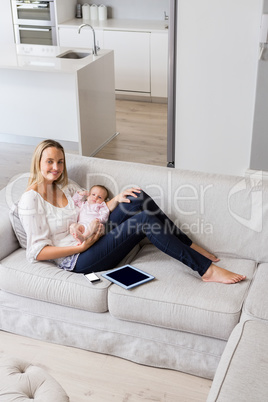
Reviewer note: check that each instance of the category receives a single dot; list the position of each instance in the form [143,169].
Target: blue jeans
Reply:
[130,223]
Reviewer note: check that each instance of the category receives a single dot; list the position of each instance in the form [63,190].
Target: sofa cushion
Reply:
[256,304]
[243,369]
[44,281]
[179,299]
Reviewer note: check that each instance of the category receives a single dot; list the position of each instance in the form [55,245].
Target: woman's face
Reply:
[52,164]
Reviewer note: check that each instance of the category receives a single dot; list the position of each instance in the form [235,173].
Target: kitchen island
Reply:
[45,95]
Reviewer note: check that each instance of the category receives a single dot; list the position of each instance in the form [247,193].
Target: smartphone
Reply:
[92,277]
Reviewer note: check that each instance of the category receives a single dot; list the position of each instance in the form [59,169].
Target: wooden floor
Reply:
[87,376]
[142,138]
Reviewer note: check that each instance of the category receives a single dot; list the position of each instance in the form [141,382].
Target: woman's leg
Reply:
[143,202]
[114,246]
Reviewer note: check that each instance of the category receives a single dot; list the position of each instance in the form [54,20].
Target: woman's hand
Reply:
[122,197]
[51,252]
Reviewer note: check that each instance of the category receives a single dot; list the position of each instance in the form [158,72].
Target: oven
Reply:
[34,22]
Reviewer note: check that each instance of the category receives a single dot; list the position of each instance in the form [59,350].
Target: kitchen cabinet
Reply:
[69,37]
[140,51]
[71,99]
[132,59]
[159,64]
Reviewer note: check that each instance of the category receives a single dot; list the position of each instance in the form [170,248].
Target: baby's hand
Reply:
[84,192]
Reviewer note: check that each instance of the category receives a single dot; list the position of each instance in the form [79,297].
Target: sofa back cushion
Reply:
[17,225]
[225,214]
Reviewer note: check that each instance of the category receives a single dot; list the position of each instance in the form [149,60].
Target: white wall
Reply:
[65,10]
[134,9]
[259,147]
[217,56]
[6,23]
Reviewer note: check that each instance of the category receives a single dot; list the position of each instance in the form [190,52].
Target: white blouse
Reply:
[47,225]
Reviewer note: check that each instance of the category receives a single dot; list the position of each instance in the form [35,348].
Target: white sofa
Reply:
[176,321]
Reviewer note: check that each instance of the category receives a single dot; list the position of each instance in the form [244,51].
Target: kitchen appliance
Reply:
[34,22]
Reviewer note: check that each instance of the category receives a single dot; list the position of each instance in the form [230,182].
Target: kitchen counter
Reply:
[43,96]
[118,24]
[44,58]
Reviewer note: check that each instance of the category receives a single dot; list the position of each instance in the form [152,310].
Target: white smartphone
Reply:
[92,277]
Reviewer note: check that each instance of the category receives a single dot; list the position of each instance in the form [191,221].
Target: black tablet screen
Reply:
[127,276]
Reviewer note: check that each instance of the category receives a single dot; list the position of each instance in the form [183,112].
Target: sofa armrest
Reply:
[8,240]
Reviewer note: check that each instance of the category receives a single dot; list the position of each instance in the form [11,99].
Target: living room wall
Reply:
[259,148]
[217,59]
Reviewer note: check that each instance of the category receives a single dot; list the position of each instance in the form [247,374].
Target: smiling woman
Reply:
[47,170]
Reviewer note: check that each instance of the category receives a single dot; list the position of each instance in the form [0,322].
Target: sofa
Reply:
[176,321]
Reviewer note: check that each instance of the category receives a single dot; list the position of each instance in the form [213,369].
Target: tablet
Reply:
[127,276]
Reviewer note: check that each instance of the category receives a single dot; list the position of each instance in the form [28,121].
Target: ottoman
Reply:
[243,369]
[21,381]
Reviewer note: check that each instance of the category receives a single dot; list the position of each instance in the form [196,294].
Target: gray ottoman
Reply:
[21,381]
[243,369]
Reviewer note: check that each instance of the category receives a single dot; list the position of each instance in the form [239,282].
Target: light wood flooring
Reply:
[142,138]
[87,376]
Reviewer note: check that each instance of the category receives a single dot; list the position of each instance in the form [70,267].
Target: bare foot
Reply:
[92,227]
[204,252]
[79,237]
[221,275]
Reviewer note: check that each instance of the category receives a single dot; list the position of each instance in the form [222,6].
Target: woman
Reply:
[46,211]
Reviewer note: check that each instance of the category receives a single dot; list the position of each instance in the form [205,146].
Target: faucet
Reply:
[94,38]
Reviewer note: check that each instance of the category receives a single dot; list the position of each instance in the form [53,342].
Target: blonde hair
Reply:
[35,172]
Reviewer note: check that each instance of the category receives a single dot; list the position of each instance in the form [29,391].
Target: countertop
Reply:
[118,24]
[44,58]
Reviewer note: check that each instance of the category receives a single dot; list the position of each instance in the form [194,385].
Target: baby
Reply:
[93,211]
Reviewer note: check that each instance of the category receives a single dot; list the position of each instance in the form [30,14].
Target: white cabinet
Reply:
[69,37]
[132,59]
[140,57]
[159,64]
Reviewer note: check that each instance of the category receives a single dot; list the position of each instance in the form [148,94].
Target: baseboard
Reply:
[23,140]
[139,97]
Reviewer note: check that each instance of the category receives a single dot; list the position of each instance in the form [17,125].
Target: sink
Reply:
[73,55]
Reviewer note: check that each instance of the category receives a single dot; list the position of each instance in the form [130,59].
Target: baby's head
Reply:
[97,195]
